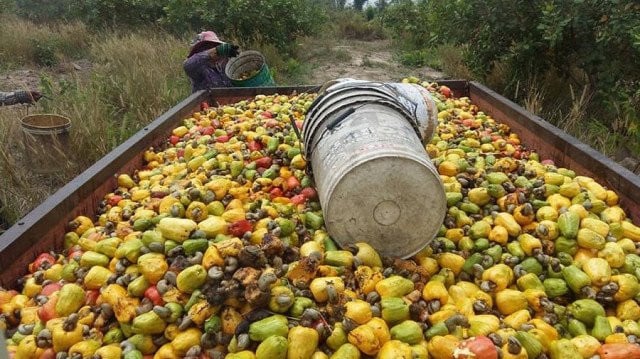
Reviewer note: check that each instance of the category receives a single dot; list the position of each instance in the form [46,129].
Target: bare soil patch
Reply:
[29,78]
[366,60]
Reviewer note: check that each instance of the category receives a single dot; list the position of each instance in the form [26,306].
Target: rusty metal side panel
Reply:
[565,150]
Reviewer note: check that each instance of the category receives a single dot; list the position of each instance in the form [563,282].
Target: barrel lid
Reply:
[45,121]
[349,91]
[331,106]
[397,206]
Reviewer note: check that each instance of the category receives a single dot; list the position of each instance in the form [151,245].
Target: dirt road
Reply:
[366,60]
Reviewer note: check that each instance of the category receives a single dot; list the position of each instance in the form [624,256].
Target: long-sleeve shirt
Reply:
[15,97]
[205,73]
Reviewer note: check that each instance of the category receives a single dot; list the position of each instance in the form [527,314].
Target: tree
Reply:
[409,23]
[359,4]
[42,10]
[275,22]
[381,4]
[591,44]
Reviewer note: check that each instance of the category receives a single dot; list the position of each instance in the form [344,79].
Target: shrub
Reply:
[7,6]
[134,79]
[47,10]
[277,22]
[592,44]
[370,13]
[417,58]
[116,13]
[206,14]
[409,23]
[450,59]
[41,43]
[353,25]
[44,52]
[285,70]
[97,13]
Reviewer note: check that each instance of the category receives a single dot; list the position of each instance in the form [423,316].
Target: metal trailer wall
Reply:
[565,150]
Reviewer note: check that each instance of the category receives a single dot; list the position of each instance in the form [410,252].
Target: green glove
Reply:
[227,50]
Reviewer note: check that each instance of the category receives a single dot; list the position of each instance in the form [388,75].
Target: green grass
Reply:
[135,78]
[420,57]
[451,61]
[341,55]
[40,44]
[570,109]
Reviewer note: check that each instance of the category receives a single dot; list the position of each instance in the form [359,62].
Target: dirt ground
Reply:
[29,78]
[19,80]
[366,60]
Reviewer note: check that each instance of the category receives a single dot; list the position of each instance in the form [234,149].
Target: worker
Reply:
[19,97]
[207,59]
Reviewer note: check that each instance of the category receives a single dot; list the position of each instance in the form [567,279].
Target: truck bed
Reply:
[43,229]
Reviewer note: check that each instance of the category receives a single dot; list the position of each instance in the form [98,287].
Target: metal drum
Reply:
[375,181]
[46,142]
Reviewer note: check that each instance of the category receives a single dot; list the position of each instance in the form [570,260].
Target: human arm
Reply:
[227,50]
[195,64]
[206,68]
[16,97]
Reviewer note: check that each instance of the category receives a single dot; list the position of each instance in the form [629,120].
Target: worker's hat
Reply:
[203,41]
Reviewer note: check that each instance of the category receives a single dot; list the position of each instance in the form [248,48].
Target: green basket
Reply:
[249,61]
